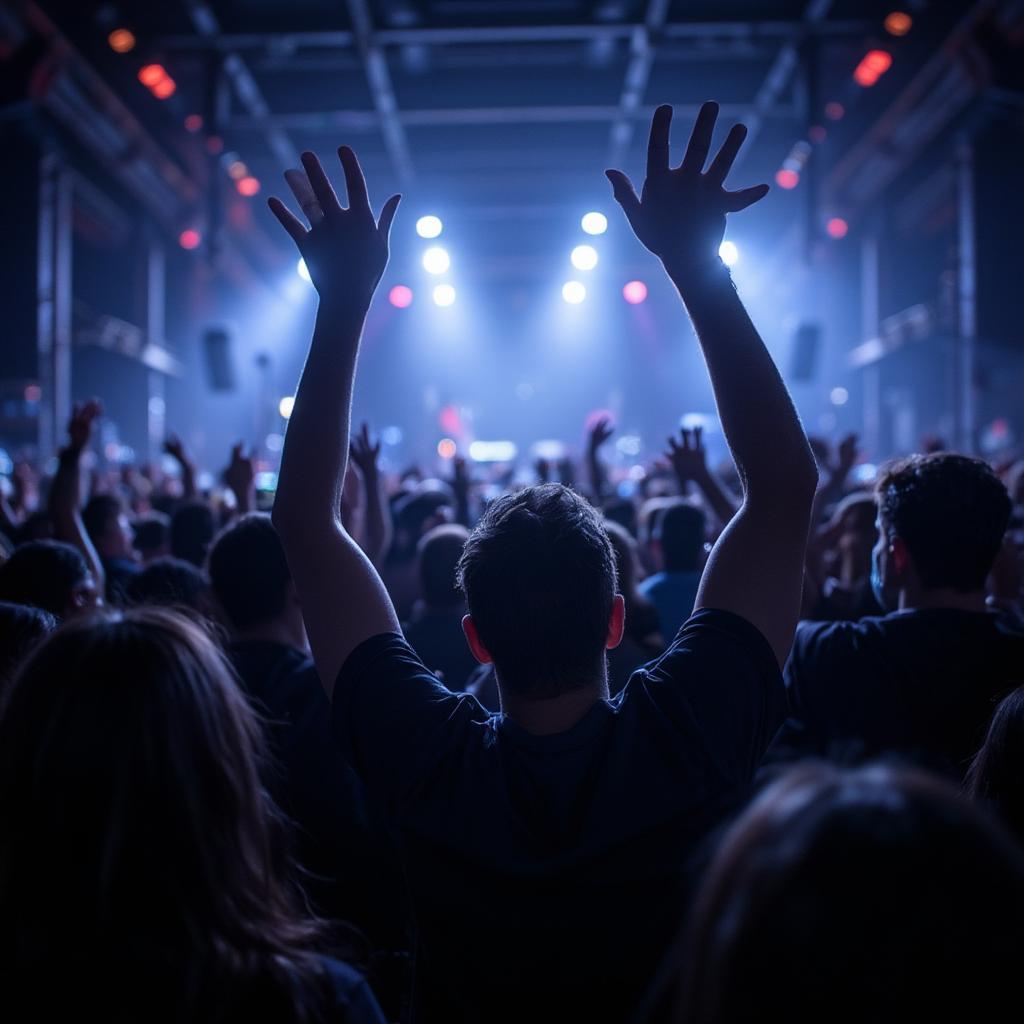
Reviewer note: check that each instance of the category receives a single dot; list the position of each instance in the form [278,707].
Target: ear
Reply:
[616,622]
[473,639]
[900,555]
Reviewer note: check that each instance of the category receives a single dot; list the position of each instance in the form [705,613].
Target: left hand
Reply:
[345,248]
[364,452]
[83,418]
[241,472]
[599,432]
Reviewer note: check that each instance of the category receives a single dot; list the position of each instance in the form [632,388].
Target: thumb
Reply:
[625,194]
[387,215]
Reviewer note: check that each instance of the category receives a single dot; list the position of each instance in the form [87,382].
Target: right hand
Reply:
[175,447]
[599,432]
[80,426]
[680,215]
[241,472]
[687,458]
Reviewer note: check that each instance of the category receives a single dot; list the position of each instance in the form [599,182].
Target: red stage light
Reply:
[898,23]
[400,296]
[248,186]
[189,239]
[121,40]
[874,64]
[193,123]
[164,89]
[785,178]
[816,133]
[214,145]
[834,111]
[837,227]
[151,74]
[634,292]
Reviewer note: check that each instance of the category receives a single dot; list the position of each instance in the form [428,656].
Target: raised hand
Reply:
[599,432]
[365,453]
[345,248]
[80,426]
[686,456]
[240,476]
[175,447]
[680,214]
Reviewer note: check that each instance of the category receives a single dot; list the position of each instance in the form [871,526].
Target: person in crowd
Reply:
[855,895]
[111,534]
[49,575]
[350,865]
[996,775]
[192,529]
[21,629]
[679,541]
[174,582]
[567,816]
[688,461]
[152,536]
[435,630]
[920,681]
[141,855]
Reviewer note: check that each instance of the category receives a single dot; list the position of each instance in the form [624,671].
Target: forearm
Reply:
[597,475]
[377,521]
[65,502]
[188,479]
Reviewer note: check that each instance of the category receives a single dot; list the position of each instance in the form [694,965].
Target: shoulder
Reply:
[351,993]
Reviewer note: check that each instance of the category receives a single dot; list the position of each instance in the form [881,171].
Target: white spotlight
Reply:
[285,406]
[594,223]
[839,396]
[444,295]
[436,260]
[584,257]
[574,292]
[303,271]
[729,253]
[429,226]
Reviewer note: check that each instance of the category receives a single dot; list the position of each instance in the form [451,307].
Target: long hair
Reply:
[138,848]
[996,775]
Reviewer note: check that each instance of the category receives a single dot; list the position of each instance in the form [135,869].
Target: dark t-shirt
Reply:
[546,871]
[437,637]
[920,684]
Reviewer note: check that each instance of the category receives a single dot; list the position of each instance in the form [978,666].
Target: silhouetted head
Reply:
[153,536]
[48,574]
[873,894]
[679,533]
[996,776]
[192,530]
[538,572]
[107,524]
[21,628]
[171,582]
[439,552]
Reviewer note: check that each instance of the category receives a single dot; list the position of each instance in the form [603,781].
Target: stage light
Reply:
[634,292]
[436,260]
[446,448]
[237,169]
[429,226]
[151,74]
[574,292]
[33,392]
[786,178]
[594,223]
[816,133]
[584,257]
[274,442]
[189,239]
[837,227]
[214,145]
[834,111]
[285,406]
[400,296]
[492,451]
[193,123]
[839,396]
[874,64]
[121,40]
[444,295]
[248,186]
[164,89]
[898,23]
[728,253]
[303,271]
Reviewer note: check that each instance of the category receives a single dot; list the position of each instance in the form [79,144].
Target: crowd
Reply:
[745,744]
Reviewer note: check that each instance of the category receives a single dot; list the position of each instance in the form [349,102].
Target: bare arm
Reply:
[346,250]
[376,538]
[176,449]
[756,568]
[599,432]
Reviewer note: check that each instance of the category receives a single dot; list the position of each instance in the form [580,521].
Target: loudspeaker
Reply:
[806,345]
[218,359]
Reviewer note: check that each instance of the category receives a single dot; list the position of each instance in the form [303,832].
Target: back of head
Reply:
[100,518]
[439,552]
[153,534]
[192,529]
[996,776]
[44,574]
[872,894]
[951,511]
[681,531]
[249,572]
[21,628]
[134,832]
[170,581]
[539,577]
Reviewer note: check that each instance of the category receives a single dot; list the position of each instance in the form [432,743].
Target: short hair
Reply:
[100,515]
[169,581]
[951,511]
[538,572]
[681,530]
[192,529]
[248,571]
[152,532]
[439,552]
[21,628]
[43,574]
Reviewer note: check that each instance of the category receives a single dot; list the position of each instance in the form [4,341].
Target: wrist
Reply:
[686,273]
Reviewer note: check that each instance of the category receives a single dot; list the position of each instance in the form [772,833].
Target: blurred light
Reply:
[122,40]
[492,451]
[303,271]
[436,260]
[429,226]
[837,227]
[444,295]
[189,239]
[550,450]
[839,396]
[874,64]
[729,253]
[628,444]
[274,442]
[237,169]
[193,123]
[865,473]
[816,133]
[634,292]
[897,23]
[693,420]
[266,481]
[156,406]
[151,74]
[285,406]
[33,392]
[446,448]
[400,296]
[248,186]
[164,89]
[573,292]
[584,257]
[834,111]
[391,435]
[214,145]
[785,178]
[594,223]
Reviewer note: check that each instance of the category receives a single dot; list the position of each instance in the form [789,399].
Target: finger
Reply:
[657,141]
[698,437]
[625,194]
[321,184]
[726,156]
[304,196]
[355,183]
[700,139]
[387,215]
[686,439]
[287,220]
[673,445]
[744,197]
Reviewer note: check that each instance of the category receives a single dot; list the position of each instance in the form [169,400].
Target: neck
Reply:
[942,598]
[549,715]
[275,631]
